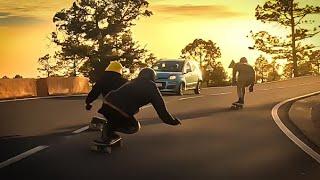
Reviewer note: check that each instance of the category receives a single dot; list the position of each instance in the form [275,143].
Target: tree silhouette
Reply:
[206,53]
[91,33]
[47,67]
[289,14]
[315,60]
[5,77]
[18,76]
[262,68]
[305,68]
[216,76]
[71,56]
[288,71]
[273,74]
[150,60]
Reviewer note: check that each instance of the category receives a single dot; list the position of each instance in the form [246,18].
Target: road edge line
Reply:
[289,133]
[191,97]
[22,156]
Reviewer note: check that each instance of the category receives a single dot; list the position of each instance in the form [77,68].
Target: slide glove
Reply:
[88,107]
[175,122]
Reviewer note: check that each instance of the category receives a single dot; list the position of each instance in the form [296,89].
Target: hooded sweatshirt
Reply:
[109,81]
[135,94]
[246,73]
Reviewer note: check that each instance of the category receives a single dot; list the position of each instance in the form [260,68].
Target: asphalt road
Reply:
[213,141]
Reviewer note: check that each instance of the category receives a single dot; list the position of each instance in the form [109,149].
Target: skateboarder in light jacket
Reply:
[243,76]
[121,105]
[111,79]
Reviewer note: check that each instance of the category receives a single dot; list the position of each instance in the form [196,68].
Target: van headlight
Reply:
[172,77]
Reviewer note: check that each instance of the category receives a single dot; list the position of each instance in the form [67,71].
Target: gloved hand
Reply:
[176,122]
[88,107]
[251,88]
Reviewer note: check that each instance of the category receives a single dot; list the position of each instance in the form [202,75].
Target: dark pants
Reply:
[241,90]
[117,121]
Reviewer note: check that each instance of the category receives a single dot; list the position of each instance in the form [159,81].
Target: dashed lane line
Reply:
[219,94]
[186,98]
[22,156]
[194,97]
[81,130]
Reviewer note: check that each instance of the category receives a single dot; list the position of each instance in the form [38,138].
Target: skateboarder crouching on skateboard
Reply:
[121,105]
[111,79]
[243,76]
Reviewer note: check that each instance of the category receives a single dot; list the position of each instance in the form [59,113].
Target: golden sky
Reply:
[25,26]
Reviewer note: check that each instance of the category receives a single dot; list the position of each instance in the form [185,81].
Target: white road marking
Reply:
[22,156]
[218,87]
[81,130]
[193,97]
[219,94]
[290,134]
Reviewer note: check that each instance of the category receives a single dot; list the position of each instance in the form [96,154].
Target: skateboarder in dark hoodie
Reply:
[121,105]
[243,76]
[111,79]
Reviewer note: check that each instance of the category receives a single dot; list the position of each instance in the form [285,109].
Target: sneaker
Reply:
[98,120]
[237,102]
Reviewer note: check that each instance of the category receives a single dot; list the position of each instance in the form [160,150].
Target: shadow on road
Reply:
[15,144]
[190,115]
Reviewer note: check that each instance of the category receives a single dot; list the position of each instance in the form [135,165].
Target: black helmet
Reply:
[147,73]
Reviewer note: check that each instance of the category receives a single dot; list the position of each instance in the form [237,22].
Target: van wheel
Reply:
[198,88]
[181,89]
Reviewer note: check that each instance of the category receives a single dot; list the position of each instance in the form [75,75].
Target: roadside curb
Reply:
[304,114]
[288,132]
[45,97]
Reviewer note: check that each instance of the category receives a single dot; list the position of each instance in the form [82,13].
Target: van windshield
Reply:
[169,66]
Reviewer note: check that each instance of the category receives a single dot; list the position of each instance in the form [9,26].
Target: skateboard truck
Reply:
[107,148]
[236,106]
[97,123]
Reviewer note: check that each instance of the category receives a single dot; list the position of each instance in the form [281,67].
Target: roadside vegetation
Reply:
[92,33]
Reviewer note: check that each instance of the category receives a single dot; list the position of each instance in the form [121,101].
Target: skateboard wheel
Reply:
[94,127]
[100,127]
[108,150]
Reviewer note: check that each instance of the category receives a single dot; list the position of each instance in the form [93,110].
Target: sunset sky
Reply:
[25,26]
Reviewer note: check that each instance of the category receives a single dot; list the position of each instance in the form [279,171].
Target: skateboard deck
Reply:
[236,106]
[106,148]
